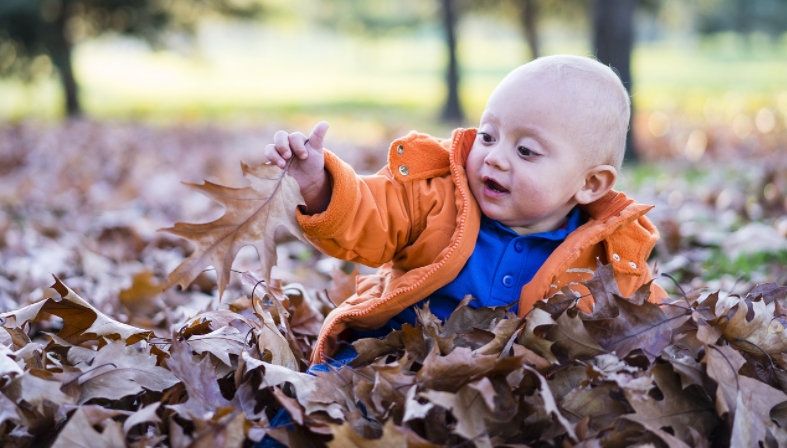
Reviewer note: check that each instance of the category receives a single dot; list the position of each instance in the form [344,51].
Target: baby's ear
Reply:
[598,181]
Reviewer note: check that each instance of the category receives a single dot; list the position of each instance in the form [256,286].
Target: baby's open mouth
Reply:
[494,186]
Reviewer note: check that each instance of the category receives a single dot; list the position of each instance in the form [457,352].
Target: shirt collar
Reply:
[573,221]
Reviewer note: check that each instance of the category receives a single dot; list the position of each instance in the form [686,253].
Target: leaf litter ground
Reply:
[116,361]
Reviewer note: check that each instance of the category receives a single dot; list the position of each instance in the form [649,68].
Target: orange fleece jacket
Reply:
[418,221]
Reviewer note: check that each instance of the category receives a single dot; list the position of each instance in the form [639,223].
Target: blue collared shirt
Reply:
[500,265]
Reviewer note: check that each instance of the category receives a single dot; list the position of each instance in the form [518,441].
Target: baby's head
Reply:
[552,136]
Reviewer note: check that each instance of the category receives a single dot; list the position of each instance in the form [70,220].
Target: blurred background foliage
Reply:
[389,64]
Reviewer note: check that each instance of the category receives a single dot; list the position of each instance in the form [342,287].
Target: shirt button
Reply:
[508,281]
[518,246]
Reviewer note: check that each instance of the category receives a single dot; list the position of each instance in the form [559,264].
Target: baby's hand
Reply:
[308,166]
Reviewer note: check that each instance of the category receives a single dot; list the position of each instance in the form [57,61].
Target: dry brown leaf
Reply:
[18,318]
[601,404]
[764,332]
[229,431]
[679,409]
[451,371]
[8,366]
[270,339]
[81,321]
[758,400]
[393,437]
[252,216]
[746,427]
[140,297]
[414,409]
[571,339]
[96,414]
[722,365]
[117,371]
[304,385]
[290,404]
[35,392]
[79,432]
[370,349]
[147,414]
[505,332]
[199,378]
[8,410]
[538,324]
[470,410]
[221,343]
[631,326]
[550,405]
[689,370]
[343,285]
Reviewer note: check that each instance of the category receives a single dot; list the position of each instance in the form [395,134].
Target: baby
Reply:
[510,212]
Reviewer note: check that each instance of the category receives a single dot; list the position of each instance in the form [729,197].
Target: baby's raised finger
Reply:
[298,145]
[272,154]
[282,143]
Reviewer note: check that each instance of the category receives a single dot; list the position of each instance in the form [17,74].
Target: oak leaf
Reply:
[82,321]
[79,432]
[764,331]
[251,217]
[754,403]
[538,324]
[631,326]
[679,409]
[221,343]
[571,339]
[470,410]
[393,437]
[35,391]
[117,372]
[199,379]
[147,414]
[140,297]
[722,365]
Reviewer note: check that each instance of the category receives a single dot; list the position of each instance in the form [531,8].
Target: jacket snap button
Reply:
[518,246]
[616,257]
[400,149]
[508,281]
[403,170]
[632,264]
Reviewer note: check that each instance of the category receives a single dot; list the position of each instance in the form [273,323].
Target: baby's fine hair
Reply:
[602,91]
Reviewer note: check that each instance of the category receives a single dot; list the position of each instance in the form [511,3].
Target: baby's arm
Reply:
[364,219]
[308,168]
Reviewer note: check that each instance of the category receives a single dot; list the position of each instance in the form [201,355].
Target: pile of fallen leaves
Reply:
[104,357]
[694,371]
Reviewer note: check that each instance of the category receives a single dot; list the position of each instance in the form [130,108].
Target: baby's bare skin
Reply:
[308,166]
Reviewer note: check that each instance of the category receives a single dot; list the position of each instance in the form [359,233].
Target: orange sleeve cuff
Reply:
[344,198]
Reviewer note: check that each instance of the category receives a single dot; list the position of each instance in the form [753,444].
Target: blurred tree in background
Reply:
[613,40]
[32,31]
[379,17]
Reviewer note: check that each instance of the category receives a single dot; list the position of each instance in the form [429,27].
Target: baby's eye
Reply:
[525,152]
[486,137]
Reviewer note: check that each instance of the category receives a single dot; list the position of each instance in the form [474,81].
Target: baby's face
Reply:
[526,164]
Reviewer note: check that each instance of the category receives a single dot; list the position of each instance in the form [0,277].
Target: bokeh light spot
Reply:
[742,126]
[765,120]
[696,145]
[658,124]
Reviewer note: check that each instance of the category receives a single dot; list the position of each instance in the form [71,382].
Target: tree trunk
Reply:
[528,19]
[60,50]
[613,39]
[452,112]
